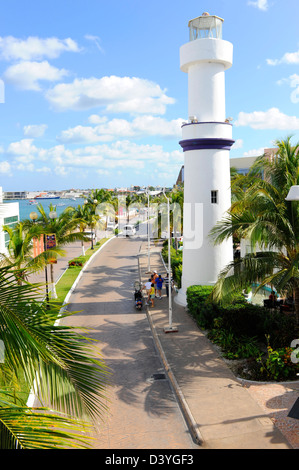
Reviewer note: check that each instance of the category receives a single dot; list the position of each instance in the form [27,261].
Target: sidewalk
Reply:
[220,412]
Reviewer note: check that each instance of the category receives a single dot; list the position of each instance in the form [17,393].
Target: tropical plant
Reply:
[80,215]
[261,214]
[65,229]
[20,250]
[60,365]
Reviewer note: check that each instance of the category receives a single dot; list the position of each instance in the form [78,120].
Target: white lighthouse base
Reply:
[181,298]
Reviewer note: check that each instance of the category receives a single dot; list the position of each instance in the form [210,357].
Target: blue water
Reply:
[25,207]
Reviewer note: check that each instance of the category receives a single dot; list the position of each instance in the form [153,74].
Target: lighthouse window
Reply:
[214,197]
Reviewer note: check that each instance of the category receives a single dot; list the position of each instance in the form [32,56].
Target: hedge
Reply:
[240,317]
[176,262]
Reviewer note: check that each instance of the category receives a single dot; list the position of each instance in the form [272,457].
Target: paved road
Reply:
[143,412]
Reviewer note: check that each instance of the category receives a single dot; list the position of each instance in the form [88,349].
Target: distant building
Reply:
[14,194]
[9,215]
[242,164]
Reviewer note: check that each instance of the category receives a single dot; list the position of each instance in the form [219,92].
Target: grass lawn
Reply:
[70,275]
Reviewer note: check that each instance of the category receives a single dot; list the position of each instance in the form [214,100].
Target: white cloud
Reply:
[35,48]
[116,128]
[254,152]
[96,40]
[61,171]
[260,4]
[25,167]
[101,158]
[115,94]
[35,130]
[22,147]
[238,144]
[95,119]
[271,119]
[291,58]
[5,167]
[44,169]
[26,75]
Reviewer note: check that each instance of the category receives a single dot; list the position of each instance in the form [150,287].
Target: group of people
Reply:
[154,287]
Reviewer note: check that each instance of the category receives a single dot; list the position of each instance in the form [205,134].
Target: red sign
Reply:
[38,246]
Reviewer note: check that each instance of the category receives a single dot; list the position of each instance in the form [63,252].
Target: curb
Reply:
[67,297]
[191,423]
[32,396]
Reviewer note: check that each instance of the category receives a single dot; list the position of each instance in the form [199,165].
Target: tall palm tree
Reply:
[67,374]
[20,251]
[261,215]
[65,229]
[80,216]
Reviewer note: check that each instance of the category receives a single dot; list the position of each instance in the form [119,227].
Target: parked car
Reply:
[129,230]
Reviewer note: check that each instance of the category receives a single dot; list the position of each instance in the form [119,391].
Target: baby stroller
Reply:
[138,295]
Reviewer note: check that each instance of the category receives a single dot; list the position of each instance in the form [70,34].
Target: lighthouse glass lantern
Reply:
[205,26]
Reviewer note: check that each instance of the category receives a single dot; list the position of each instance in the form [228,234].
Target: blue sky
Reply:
[94,95]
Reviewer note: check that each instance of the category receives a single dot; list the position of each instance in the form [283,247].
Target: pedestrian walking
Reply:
[152,294]
[154,277]
[166,280]
[159,282]
[147,286]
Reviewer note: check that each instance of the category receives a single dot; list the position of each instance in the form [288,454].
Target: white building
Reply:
[206,142]
[9,215]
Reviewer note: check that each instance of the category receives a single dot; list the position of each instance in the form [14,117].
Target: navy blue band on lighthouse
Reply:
[200,144]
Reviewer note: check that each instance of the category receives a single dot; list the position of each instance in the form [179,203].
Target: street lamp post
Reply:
[148,236]
[95,201]
[53,216]
[292,197]
[170,328]
[33,216]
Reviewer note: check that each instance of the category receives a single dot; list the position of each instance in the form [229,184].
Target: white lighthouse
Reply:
[206,142]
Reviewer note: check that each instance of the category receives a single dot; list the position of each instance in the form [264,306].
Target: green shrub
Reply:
[176,262]
[79,261]
[178,275]
[278,364]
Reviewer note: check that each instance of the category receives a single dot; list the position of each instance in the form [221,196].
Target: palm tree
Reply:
[80,216]
[65,371]
[20,251]
[65,229]
[261,215]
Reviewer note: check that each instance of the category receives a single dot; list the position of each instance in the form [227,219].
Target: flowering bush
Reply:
[278,364]
[77,261]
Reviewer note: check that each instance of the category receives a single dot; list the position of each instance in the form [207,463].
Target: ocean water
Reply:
[25,207]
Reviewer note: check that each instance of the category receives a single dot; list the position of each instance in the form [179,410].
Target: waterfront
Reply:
[25,207]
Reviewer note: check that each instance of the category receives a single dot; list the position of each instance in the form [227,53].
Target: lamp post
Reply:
[95,201]
[91,230]
[170,328]
[33,216]
[292,197]
[148,235]
[53,216]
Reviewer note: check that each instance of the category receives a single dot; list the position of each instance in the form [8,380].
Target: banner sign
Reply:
[50,241]
[38,246]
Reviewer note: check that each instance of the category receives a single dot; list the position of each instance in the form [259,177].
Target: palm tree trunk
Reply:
[53,288]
